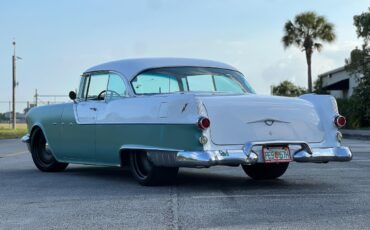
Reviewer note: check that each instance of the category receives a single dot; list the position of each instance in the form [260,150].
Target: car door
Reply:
[78,130]
[109,127]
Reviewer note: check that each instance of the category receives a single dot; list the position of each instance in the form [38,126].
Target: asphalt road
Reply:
[308,196]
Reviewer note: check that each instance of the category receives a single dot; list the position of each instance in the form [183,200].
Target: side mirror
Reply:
[72,95]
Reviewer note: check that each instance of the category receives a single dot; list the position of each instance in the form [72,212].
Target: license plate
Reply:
[274,154]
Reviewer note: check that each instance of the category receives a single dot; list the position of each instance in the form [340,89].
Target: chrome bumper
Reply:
[247,156]
[26,139]
[323,155]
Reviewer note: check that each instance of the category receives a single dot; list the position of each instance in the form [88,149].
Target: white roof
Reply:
[334,71]
[129,68]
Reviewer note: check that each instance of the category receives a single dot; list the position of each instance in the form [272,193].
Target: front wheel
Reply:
[42,156]
[265,171]
[148,174]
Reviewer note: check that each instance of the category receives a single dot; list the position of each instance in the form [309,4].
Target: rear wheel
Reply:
[265,171]
[148,174]
[42,156]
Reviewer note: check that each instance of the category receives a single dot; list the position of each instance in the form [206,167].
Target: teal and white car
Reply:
[159,114]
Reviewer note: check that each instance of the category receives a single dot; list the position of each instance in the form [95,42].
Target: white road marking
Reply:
[271,195]
[365,160]
[15,154]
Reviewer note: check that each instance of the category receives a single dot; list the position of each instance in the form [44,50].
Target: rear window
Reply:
[190,79]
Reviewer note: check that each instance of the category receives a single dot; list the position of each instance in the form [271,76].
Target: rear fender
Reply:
[327,109]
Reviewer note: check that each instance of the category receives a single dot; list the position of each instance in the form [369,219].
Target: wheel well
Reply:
[34,129]
[124,155]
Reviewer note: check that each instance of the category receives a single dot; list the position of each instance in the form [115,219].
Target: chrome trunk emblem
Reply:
[269,122]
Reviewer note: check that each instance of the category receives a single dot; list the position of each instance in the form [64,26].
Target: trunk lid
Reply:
[245,118]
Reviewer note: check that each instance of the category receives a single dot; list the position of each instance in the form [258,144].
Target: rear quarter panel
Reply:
[161,122]
[327,109]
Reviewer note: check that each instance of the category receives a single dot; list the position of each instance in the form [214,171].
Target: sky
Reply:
[59,40]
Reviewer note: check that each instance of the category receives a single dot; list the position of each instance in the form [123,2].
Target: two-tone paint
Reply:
[97,132]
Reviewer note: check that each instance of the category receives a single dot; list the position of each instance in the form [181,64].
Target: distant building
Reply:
[21,117]
[339,82]
[29,106]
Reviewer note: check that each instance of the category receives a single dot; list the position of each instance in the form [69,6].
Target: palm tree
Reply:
[306,32]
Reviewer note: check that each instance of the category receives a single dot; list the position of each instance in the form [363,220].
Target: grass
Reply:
[6,131]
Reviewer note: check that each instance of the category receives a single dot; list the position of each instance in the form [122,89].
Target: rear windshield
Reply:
[190,79]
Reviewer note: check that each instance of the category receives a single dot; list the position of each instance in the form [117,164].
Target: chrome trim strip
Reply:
[150,148]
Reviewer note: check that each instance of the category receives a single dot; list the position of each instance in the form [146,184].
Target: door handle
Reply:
[93,109]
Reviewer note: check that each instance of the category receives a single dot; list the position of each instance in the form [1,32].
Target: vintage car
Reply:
[158,114]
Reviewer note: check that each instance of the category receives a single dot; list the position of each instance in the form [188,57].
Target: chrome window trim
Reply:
[180,66]
[129,90]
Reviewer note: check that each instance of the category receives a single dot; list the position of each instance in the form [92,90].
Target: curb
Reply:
[358,136]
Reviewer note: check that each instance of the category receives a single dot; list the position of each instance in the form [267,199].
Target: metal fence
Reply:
[22,107]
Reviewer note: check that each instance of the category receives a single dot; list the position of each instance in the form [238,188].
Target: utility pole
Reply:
[10,108]
[14,85]
[36,98]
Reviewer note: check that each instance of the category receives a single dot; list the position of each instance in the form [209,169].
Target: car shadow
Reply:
[226,180]
[202,180]
[109,174]
[211,181]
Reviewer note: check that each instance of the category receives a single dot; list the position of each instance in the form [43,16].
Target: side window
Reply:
[226,84]
[97,87]
[184,83]
[201,83]
[83,87]
[147,83]
[116,87]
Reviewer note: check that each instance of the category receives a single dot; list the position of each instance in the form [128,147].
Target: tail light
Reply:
[204,123]
[340,121]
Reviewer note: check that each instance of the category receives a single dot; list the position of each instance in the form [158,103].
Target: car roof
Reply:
[129,68]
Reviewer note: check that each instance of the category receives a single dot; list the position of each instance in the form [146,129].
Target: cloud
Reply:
[342,46]
[292,65]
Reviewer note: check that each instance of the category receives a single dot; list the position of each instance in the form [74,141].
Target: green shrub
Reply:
[350,109]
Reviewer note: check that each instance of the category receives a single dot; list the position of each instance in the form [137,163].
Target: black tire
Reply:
[265,171]
[148,174]
[42,156]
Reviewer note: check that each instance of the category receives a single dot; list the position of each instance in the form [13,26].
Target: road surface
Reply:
[308,196]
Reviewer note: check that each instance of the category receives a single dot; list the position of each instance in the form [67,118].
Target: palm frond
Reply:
[317,46]
[326,33]
[306,30]
[290,34]
[306,20]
